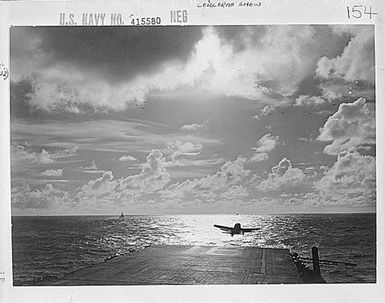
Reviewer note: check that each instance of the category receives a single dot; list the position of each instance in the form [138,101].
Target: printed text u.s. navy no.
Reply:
[93,19]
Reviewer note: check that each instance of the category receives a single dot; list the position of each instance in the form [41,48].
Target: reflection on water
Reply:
[51,246]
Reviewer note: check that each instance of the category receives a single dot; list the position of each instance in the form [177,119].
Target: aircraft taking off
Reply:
[236,230]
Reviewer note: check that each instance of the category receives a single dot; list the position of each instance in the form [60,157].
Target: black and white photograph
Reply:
[193,155]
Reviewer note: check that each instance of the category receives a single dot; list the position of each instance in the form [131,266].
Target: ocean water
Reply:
[48,247]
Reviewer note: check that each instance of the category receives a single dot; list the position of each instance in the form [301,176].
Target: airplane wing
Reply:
[247,230]
[224,228]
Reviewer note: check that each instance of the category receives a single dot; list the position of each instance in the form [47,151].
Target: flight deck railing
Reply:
[313,275]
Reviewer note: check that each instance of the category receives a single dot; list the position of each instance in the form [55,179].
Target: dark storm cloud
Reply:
[20,95]
[120,53]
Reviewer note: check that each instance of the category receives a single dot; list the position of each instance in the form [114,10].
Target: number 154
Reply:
[358,11]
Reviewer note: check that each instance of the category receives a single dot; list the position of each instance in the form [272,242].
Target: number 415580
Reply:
[359,11]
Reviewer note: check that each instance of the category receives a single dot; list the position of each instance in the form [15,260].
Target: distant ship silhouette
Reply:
[121,215]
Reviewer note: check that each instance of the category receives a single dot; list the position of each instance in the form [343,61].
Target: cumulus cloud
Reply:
[352,176]
[264,145]
[259,157]
[292,202]
[313,199]
[125,158]
[267,110]
[231,173]
[70,151]
[305,100]
[24,197]
[178,148]
[339,90]
[235,192]
[52,172]
[256,69]
[282,176]
[26,154]
[357,60]
[152,177]
[351,74]
[195,126]
[105,189]
[100,186]
[352,126]
[349,182]
[92,166]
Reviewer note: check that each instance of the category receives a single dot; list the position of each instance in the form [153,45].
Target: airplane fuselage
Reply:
[236,229]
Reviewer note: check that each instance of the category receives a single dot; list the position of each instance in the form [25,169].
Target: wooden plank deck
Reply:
[191,265]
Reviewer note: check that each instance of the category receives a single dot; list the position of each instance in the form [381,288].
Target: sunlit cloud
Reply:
[195,126]
[357,60]
[282,176]
[305,100]
[125,158]
[92,166]
[264,145]
[352,126]
[52,172]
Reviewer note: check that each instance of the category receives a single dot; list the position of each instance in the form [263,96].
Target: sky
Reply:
[192,120]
